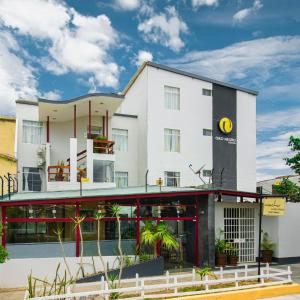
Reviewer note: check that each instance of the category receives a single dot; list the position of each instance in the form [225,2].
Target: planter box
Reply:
[154,267]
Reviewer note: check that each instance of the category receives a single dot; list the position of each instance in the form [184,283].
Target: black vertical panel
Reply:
[224,145]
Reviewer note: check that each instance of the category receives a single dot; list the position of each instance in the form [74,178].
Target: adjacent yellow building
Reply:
[8,163]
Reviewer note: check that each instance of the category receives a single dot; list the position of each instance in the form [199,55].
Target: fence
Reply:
[172,285]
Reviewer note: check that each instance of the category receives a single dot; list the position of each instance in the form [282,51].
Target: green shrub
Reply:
[3,254]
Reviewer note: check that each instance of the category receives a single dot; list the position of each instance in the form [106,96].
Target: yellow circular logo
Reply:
[225,125]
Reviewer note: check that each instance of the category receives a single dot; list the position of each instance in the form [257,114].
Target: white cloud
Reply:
[143,56]
[165,29]
[17,78]
[271,151]
[197,3]
[246,12]
[251,59]
[128,4]
[75,43]
[52,95]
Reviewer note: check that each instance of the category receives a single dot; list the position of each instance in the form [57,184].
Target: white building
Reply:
[164,121]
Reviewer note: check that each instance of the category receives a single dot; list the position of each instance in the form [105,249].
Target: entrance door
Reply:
[239,230]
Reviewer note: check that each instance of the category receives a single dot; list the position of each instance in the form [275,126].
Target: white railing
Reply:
[169,285]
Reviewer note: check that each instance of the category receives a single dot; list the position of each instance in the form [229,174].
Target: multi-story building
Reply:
[8,164]
[197,134]
[166,121]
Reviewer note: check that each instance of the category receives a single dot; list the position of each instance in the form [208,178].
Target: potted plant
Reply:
[60,171]
[267,247]
[220,250]
[232,255]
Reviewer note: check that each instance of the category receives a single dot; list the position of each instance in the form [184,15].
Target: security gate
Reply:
[239,230]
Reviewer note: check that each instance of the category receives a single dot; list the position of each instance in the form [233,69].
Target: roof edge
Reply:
[28,102]
[203,78]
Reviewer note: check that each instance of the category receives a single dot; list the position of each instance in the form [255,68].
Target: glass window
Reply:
[207,132]
[120,136]
[206,92]
[32,132]
[121,179]
[172,98]
[172,140]
[172,178]
[103,171]
[32,179]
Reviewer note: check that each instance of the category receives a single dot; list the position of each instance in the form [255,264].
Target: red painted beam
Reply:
[103,125]
[48,129]
[75,121]
[3,212]
[90,120]
[106,125]
[77,232]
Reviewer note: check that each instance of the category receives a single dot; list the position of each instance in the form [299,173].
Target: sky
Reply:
[63,49]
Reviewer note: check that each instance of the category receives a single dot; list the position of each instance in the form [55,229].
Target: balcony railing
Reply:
[62,173]
[103,146]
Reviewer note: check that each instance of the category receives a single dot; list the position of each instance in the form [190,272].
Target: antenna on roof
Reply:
[198,172]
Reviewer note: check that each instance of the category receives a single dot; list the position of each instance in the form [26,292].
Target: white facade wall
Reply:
[195,114]
[246,142]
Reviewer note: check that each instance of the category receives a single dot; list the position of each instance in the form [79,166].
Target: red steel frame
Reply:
[75,121]
[138,218]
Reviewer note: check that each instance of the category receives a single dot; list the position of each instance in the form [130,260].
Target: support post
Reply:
[106,125]
[90,119]
[103,126]
[3,212]
[75,121]
[197,233]
[48,129]
[138,217]
[259,237]
[77,232]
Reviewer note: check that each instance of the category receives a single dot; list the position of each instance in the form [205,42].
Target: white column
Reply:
[89,159]
[73,160]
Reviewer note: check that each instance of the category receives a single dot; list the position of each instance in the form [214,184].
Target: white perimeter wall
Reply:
[195,114]
[284,231]
[14,272]
[246,142]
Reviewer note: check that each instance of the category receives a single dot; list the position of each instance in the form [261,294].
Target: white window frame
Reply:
[120,136]
[172,97]
[172,140]
[30,138]
[121,179]
[174,176]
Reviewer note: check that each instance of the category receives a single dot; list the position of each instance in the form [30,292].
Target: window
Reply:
[207,132]
[206,92]
[172,98]
[88,227]
[206,173]
[103,171]
[121,179]
[172,140]
[32,132]
[32,179]
[120,136]
[172,178]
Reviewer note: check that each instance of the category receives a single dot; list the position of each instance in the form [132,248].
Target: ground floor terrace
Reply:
[31,221]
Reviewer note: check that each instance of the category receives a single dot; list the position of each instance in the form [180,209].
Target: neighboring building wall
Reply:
[284,231]
[195,113]
[268,184]
[7,148]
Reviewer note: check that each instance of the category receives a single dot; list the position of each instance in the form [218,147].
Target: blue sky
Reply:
[63,49]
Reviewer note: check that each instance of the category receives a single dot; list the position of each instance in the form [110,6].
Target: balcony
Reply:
[103,146]
[62,173]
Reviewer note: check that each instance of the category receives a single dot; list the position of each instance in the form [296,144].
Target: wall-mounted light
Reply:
[54,212]
[30,211]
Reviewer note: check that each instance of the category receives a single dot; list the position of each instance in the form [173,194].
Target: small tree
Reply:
[153,233]
[3,251]
[289,188]
[294,161]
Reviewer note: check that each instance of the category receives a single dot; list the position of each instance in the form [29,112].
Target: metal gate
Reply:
[239,230]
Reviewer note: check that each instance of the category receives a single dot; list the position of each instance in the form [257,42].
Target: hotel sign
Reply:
[274,206]
[225,126]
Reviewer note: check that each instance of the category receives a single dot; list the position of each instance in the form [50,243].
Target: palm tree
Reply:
[152,233]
